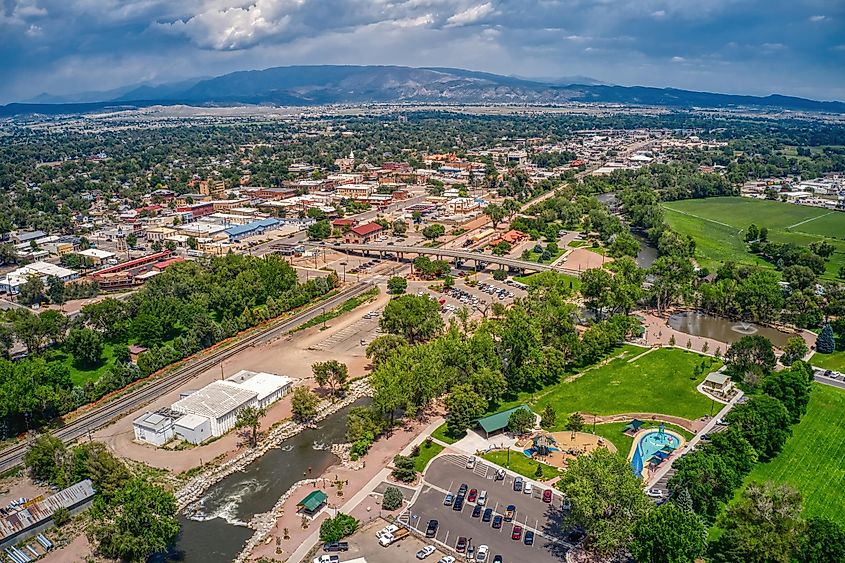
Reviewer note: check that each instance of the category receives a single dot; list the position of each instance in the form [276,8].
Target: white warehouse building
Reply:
[213,410]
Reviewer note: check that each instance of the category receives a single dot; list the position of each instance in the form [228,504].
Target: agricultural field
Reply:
[811,460]
[718,224]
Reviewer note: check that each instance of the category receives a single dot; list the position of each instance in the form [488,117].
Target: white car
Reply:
[483,550]
[387,530]
[526,488]
[425,552]
[471,462]
[654,493]
[327,559]
[447,559]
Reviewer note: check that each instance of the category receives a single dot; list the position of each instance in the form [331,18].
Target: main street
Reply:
[149,391]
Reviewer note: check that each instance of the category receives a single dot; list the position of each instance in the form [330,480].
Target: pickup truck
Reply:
[336,546]
[388,539]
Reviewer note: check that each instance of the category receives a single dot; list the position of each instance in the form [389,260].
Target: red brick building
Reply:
[363,234]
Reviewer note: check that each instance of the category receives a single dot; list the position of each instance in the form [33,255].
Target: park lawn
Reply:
[576,243]
[612,431]
[442,433]
[835,361]
[520,463]
[574,281]
[427,452]
[535,257]
[718,224]
[79,375]
[661,381]
[812,458]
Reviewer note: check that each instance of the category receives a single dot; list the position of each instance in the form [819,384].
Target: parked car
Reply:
[654,493]
[447,559]
[481,556]
[448,499]
[459,504]
[529,537]
[462,490]
[566,504]
[517,484]
[431,529]
[336,546]
[510,512]
[517,533]
[327,559]
[497,522]
[482,498]
[389,529]
[488,515]
[497,559]
[476,512]
[471,462]
[425,552]
[527,488]
[461,544]
[500,474]
[472,496]
[547,495]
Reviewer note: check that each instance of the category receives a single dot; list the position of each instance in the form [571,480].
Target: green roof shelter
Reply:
[634,426]
[313,502]
[498,421]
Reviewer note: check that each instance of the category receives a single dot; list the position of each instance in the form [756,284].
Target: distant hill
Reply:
[328,84]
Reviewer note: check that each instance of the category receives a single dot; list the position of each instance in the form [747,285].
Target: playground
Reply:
[557,448]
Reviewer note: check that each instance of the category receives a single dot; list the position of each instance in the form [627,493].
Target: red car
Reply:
[547,495]
[517,533]
[473,494]
[461,544]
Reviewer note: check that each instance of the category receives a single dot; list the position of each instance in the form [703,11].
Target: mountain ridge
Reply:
[306,85]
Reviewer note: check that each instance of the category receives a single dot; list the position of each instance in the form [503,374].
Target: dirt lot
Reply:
[291,356]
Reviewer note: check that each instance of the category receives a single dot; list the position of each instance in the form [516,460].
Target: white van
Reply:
[482,498]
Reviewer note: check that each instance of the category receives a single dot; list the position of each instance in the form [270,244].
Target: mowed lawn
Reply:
[835,361]
[813,459]
[718,226]
[661,381]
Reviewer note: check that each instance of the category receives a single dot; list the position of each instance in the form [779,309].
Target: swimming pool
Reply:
[650,443]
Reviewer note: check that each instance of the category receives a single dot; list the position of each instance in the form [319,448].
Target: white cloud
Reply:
[658,14]
[816,19]
[677,59]
[471,15]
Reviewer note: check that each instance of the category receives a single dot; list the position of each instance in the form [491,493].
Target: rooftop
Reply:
[499,421]
[260,382]
[313,501]
[215,400]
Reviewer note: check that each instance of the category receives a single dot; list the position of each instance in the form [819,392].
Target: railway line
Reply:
[104,414]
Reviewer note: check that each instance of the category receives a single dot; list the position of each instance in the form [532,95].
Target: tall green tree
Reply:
[668,534]
[250,417]
[304,404]
[46,458]
[415,318]
[140,521]
[794,350]
[607,500]
[825,343]
[85,345]
[750,358]
[791,387]
[331,374]
[495,213]
[823,541]
[764,422]
[384,346]
[463,407]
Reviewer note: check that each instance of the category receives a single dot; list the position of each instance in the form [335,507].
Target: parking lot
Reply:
[447,473]
[364,543]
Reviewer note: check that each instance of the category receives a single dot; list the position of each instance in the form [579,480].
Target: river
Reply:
[214,528]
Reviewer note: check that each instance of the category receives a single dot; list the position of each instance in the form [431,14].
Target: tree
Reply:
[304,404]
[138,522]
[463,406]
[823,541]
[400,227]
[792,388]
[383,347]
[192,243]
[337,528]
[250,417]
[397,285]
[825,343]
[668,534]
[750,358]
[607,499]
[170,245]
[403,469]
[45,459]
[434,232]
[85,345]
[392,498]
[331,373]
[496,213]
[414,317]
[56,290]
[319,230]
[131,240]
[795,349]
[502,248]
[575,422]
[61,516]
[500,274]
[763,526]
[521,421]
[708,479]
[31,292]
[764,422]
[548,417]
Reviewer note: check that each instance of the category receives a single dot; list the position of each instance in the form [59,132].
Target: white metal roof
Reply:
[215,400]
[262,383]
[153,421]
[96,253]
[191,421]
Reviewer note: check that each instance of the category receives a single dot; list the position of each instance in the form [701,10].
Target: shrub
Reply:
[337,528]
[392,498]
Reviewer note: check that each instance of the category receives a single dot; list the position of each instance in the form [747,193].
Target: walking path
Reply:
[663,470]
[811,219]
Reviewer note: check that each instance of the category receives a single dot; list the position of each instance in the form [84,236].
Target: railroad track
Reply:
[101,416]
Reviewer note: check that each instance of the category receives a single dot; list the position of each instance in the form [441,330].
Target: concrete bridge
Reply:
[463,255]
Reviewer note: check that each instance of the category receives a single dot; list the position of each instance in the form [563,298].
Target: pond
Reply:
[214,528]
[722,329]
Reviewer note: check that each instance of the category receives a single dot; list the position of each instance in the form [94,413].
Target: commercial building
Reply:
[362,234]
[37,515]
[269,387]
[240,232]
[96,256]
[153,428]
[193,428]
[219,402]
[194,211]
[11,282]
[355,191]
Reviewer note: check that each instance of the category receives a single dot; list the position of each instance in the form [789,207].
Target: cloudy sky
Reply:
[792,47]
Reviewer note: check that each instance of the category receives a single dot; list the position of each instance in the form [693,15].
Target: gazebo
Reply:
[312,503]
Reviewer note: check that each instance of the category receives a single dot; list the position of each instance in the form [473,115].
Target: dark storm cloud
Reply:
[756,46]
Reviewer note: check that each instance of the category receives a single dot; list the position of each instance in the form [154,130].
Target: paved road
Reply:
[103,415]
[446,473]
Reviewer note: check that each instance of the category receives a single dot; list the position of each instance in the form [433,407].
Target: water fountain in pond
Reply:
[744,328]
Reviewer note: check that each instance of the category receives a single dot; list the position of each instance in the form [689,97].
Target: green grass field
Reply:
[521,464]
[835,361]
[661,382]
[718,224]
[442,433]
[812,459]
[427,452]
